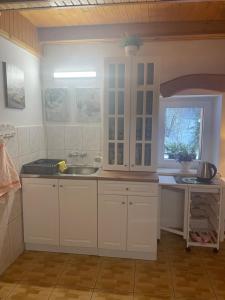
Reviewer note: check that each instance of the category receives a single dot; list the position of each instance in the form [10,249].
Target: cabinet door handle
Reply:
[127,189]
[61,185]
[131,203]
[53,185]
[123,202]
[125,165]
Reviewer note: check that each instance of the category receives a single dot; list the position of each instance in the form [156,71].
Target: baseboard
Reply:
[62,249]
[92,251]
[127,254]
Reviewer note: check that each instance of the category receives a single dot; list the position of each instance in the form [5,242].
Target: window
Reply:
[183,127]
[188,123]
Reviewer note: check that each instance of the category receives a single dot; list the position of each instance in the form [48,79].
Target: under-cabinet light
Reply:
[88,74]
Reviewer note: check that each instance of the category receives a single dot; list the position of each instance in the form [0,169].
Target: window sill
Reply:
[169,171]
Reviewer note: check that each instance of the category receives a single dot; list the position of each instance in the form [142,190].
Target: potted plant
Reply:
[131,44]
[185,158]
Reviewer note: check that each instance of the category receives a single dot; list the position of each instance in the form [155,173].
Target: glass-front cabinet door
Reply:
[144,111]
[116,114]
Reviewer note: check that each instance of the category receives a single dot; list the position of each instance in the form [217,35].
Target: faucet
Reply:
[78,154]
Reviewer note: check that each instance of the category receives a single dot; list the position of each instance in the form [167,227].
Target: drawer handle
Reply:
[61,185]
[123,202]
[131,203]
[53,185]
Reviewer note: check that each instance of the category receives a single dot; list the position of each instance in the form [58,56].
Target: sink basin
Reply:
[80,170]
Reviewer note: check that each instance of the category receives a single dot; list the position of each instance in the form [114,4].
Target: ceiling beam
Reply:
[152,31]
[42,4]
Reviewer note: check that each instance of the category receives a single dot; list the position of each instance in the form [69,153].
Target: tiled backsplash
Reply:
[55,141]
[83,139]
[28,144]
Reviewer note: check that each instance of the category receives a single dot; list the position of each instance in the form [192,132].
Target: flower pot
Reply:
[185,166]
[131,50]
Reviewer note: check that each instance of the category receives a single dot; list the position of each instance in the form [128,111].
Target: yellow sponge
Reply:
[62,166]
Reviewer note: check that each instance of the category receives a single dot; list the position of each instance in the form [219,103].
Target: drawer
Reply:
[42,181]
[127,188]
[78,183]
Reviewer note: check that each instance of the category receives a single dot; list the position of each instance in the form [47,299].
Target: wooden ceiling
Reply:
[139,12]
[75,20]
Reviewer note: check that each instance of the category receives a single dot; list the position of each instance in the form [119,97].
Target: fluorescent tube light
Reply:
[88,74]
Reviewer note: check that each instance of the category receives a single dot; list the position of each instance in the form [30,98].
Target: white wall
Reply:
[30,64]
[176,58]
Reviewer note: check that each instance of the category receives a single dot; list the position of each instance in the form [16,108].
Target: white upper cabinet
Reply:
[116,114]
[130,114]
[144,111]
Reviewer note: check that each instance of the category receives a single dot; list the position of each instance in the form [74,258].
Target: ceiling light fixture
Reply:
[86,74]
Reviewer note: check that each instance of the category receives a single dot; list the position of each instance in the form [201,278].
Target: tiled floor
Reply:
[198,275]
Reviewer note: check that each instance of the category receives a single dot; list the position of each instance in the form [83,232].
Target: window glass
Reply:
[183,131]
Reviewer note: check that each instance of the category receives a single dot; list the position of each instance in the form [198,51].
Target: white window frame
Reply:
[202,101]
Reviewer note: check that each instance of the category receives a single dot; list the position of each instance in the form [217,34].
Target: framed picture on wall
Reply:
[14,88]
[88,105]
[56,105]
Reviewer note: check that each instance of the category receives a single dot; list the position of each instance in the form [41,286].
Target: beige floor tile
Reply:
[196,297]
[99,295]
[177,275]
[116,275]
[70,294]
[27,268]
[218,285]
[152,297]
[78,274]
[6,288]
[30,292]
[12,275]
[192,286]
[76,259]
[153,279]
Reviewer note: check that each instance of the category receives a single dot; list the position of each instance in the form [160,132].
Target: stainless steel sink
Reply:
[80,170]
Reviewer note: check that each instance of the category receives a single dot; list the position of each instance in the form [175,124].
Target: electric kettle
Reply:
[206,171]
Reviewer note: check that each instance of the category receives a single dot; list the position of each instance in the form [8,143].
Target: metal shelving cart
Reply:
[204,216]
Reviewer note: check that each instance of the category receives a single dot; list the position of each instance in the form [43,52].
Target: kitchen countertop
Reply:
[103,175]
[170,180]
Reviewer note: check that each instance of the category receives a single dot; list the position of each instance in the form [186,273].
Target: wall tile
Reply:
[12,146]
[56,154]
[23,140]
[73,137]
[91,138]
[56,137]
[34,133]
[42,133]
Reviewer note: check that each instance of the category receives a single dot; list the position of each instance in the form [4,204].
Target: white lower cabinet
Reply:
[112,222]
[74,215]
[59,213]
[142,224]
[128,222]
[78,213]
[40,211]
